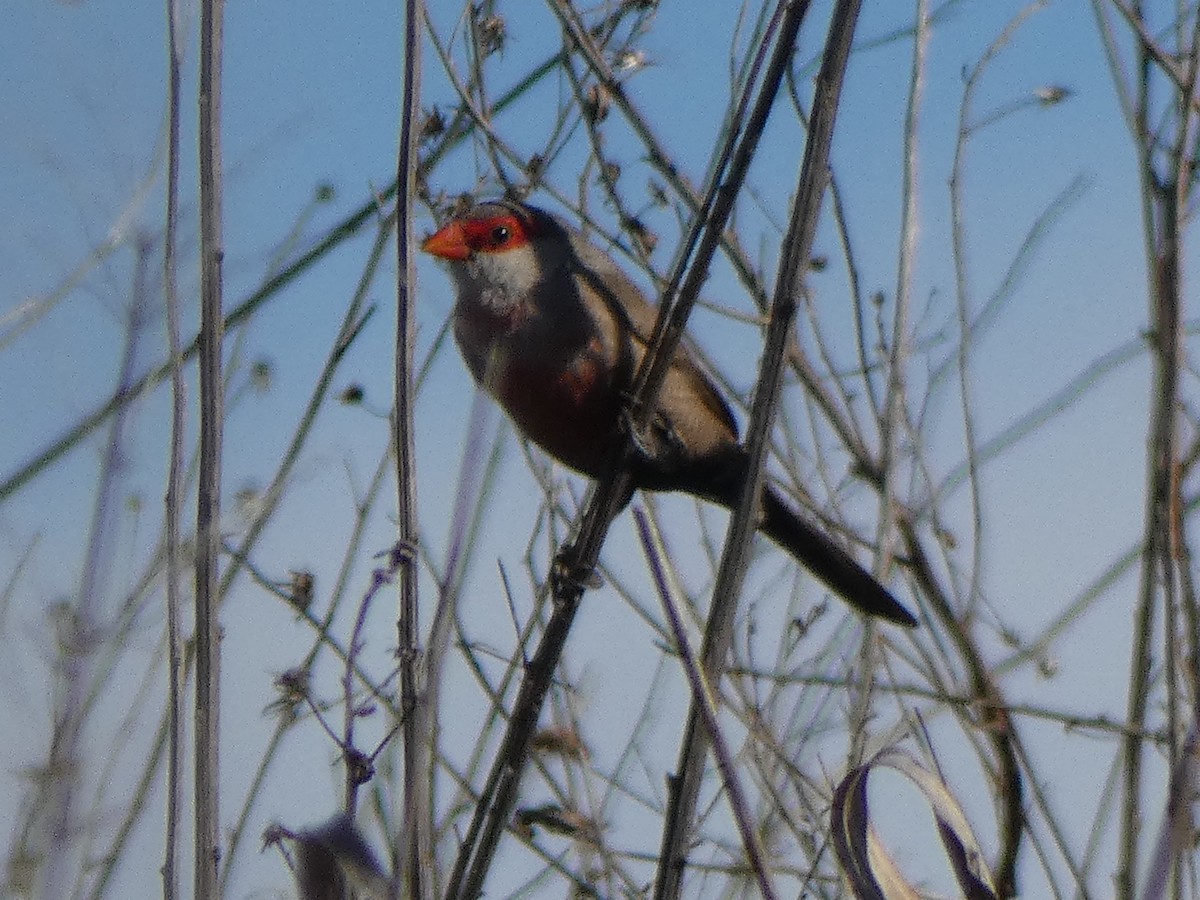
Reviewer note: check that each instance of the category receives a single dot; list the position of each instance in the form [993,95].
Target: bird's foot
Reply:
[568,576]
[657,442]
[639,437]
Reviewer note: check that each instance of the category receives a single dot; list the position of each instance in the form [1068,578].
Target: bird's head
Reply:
[499,251]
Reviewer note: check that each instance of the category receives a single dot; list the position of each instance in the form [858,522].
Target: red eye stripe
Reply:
[495,234]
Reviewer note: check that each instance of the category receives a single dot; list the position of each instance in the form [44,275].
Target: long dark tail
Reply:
[719,478]
[829,562]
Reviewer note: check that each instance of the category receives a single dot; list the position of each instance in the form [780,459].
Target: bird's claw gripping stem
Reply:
[568,576]
[657,441]
[637,436]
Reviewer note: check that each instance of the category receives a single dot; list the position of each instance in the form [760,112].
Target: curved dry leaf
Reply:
[862,856]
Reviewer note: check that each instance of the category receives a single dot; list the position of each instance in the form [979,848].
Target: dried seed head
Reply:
[646,239]
[353,395]
[492,34]
[596,103]
[1051,94]
[433,125]
[300,588]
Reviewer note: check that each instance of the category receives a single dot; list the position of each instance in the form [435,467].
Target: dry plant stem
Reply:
[352,325]
[596,142]
[74,436]
[120,633]
[493,695]
[962,287]
[208,513]
[1164,197]
[476,480]
[657,156]
[1061,401]
[894,424]
[1154,553]
[993,711]
[353,322]
[841,419]
[1086,597]
[704,700]
[1000,727]
[795,253]
[415,853]
[142,791]
[1101,823]
[1190,604]
[481,115]
[1101,724]
[351,756]
[111,790]
[1175,840]
[54,821]
[17,321]
[322,640]
[120,629]
[1179,70]
[170,870]
[478,81]
[716,206]
[499,794]
[1040,801]
[356,761]
[866,358]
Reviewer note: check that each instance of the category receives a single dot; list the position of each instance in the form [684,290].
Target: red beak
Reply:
[449,242]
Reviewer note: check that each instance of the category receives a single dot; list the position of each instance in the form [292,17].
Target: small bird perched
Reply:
[555,331]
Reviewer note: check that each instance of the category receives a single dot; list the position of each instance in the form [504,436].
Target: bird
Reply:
[552,328]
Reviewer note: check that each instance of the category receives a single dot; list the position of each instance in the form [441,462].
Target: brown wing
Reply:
[686,380]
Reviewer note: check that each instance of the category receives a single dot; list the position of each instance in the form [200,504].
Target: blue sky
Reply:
[311,98]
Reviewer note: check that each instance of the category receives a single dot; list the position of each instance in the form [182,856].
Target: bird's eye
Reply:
[500,234]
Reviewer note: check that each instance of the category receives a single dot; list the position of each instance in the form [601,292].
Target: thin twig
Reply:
[1165,178]
[322,639]
[208,515]
[705,701]
[794,256]
[415,850]
[172,510]
[1001,730]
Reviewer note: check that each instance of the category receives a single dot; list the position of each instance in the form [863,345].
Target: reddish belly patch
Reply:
[567,412]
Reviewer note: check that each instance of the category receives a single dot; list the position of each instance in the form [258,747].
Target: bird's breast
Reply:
[565,405]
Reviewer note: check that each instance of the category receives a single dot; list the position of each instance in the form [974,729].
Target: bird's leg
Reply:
[658,443]
[566,573]
[568,576]
[635,435]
